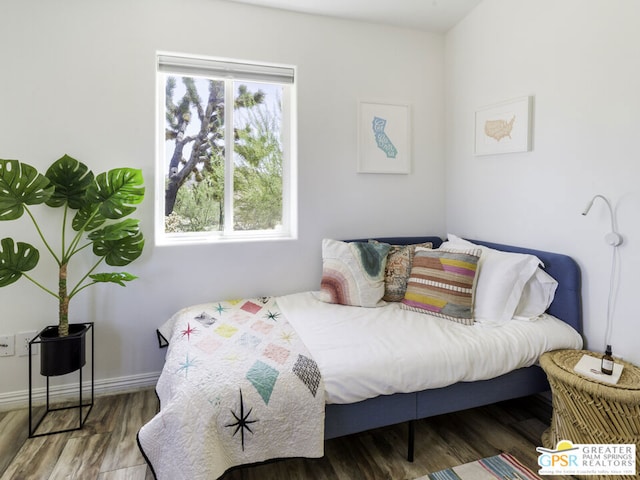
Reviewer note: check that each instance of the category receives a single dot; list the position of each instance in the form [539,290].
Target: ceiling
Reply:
[430,15]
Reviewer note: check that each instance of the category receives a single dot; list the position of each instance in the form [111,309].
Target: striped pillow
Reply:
[442,283]
[353,272]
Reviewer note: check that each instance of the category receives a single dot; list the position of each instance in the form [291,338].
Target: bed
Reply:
[321,386]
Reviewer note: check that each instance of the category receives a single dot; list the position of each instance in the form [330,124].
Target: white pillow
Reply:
[537,295]
[502,277]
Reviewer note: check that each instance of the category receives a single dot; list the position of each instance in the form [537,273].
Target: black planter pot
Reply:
[62,355]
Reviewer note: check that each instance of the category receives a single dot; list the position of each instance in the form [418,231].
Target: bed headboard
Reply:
[567,303]
[436,241]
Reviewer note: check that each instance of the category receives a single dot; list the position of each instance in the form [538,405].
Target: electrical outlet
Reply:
[22,343]
[7,345]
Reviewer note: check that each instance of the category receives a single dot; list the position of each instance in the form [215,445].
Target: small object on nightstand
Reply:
[591,366]
[607,362]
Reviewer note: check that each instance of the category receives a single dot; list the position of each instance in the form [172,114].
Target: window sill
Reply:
[238,237]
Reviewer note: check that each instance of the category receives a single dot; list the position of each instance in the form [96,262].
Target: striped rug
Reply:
[503,467]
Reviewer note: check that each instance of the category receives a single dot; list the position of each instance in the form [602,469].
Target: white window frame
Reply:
[229,70]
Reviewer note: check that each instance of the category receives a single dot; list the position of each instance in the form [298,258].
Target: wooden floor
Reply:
[106,449]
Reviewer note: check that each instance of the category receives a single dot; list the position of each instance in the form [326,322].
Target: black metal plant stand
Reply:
[79,406]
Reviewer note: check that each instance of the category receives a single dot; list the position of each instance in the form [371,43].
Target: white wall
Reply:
[78,77]
[579,58]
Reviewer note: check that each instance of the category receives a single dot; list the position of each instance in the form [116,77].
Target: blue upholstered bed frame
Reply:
[407,407]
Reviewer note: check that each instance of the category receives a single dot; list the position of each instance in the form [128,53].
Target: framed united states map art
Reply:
[383,138]
[504,127]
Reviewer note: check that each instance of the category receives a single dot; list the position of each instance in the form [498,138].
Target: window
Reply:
[224,173]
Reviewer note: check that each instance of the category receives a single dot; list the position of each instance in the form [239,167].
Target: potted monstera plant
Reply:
[93,217]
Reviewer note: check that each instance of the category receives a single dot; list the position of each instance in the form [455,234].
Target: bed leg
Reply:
[411,440]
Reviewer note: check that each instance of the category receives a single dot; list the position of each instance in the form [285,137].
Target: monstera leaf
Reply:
[14,262]
[71,180]
[120,243]
[111,196]
[88,218]
[115,277]
[116,191]
[20,185]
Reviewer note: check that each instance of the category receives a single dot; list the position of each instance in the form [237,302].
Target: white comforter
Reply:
[366,352]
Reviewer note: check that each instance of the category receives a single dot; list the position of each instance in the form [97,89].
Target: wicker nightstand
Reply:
[587,411]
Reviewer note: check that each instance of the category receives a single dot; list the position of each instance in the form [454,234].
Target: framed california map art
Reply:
[504,127]
[383,138]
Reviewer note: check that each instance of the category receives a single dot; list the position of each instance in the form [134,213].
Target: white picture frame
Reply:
[384,138]
[504,127]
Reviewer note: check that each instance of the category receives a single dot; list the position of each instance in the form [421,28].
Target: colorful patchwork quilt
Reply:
[238,387]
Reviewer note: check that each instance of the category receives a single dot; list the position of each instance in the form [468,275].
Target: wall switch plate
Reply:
[7,345]
[22,343]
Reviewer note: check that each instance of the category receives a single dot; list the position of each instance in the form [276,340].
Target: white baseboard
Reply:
[20,399]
